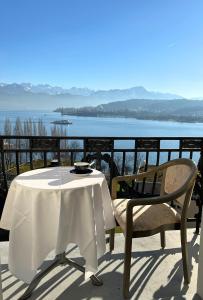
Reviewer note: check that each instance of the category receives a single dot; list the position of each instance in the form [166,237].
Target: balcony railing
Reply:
[113,155]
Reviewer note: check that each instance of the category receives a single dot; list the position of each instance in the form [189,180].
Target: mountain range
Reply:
[26,96]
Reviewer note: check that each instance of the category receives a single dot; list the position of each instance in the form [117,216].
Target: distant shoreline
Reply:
[179,119]
[182,110]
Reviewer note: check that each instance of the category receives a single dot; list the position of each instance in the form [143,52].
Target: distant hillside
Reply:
[27,96]
[178,110]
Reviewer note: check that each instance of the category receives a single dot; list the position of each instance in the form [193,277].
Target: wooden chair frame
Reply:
[186,189]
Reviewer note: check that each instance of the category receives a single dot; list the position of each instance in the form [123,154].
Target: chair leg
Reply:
[111,239]
[184,249]
[127,263]
[163,239]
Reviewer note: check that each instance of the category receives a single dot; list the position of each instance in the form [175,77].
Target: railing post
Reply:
[3,164]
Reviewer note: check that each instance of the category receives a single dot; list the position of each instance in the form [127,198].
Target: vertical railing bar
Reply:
[17,163]
[138,184]
[111,170]
[99,160]
[135,164]
[123,163]
[145,169]
[58,151]
[85,148]
[180,148]
[155,176]
[45,158]
[71,157]
[135,159]
[31,160]
[169,155]
[112,163]
[59,157]
[3,169]
[31,155]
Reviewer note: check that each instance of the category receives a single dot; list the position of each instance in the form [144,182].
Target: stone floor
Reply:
[155,273]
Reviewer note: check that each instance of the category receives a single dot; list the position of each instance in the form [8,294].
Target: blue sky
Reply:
[103,44]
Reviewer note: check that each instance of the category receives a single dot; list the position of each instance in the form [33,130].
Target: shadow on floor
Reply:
[175,285]
[112,287]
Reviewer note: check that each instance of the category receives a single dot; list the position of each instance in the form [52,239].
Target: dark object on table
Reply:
[85,171]
[54,163]
[81,165]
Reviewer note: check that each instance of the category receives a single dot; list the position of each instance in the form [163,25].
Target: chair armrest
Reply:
[127,178]
[144,175]
[153,200]
[135,176]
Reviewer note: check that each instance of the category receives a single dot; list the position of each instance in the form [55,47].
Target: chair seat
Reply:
[145,217]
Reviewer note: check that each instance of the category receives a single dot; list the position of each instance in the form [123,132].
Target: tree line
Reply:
[27,128]
[31,128]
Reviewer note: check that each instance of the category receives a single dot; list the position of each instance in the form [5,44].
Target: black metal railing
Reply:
[130,153]
[113,155]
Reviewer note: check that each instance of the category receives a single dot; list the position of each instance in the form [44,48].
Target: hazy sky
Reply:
[103,44]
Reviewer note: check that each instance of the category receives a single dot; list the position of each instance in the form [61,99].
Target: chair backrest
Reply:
[177,173]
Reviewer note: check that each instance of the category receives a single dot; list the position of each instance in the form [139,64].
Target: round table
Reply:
[46,209]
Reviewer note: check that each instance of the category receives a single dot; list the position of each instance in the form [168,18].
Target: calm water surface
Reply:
[92,126]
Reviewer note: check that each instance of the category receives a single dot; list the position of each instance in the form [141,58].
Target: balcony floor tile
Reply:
[155,273]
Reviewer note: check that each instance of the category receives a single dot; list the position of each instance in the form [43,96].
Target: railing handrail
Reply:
[99,137]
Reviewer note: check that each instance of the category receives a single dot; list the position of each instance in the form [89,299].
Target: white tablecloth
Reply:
[49,208]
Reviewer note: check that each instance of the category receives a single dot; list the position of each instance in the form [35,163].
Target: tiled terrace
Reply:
[155,273]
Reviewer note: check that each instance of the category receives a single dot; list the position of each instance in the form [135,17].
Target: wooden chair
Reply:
[143,217]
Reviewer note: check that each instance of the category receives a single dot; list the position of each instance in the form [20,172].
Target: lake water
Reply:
[121,127]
